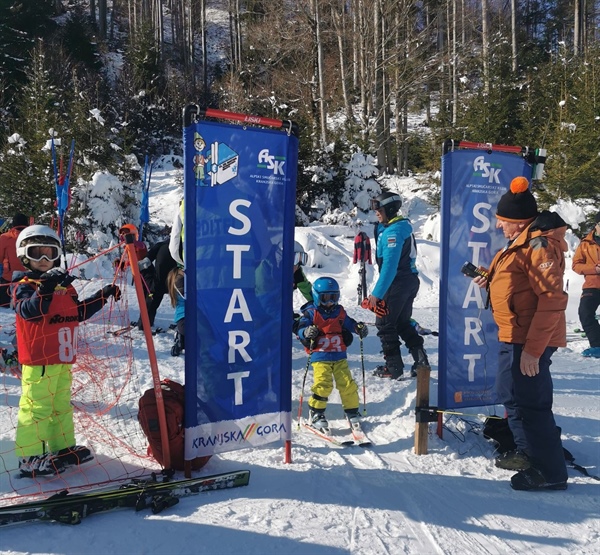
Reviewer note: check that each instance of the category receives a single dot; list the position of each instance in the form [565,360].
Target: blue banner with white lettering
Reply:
[472,183]
[240,198]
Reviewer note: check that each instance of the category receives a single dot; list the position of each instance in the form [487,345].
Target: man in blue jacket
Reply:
[397,286]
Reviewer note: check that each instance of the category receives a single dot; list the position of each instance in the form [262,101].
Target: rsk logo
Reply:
[486,170]
[267,161]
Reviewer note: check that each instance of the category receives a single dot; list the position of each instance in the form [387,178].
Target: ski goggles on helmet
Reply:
[378,204]
[300,258]
[329,298]
[38,252]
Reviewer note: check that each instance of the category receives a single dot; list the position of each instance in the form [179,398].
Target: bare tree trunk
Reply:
[454,66]
[102,19]
[364,79]
[577,27]
[513,32]
[379,91]
[340,27]
[159,31]
[190,40]
[441,48]
[235,33]
[485,45]
[320,71]
[93,12]
[204,53]
[238,32]
[355,41]
[463,25]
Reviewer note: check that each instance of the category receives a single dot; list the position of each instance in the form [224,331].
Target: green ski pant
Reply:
[324,373]
[45,420]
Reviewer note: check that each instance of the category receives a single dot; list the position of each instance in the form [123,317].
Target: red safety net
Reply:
[107,385]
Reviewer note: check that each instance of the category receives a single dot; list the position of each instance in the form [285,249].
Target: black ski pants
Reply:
[588,304]
[399,299]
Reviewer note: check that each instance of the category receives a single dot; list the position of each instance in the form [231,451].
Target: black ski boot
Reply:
[179,345]
[74,455]
[393,368]
[420,357]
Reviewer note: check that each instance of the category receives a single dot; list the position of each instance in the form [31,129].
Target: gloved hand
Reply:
[311,332]
[113,290]
[378,306]
[362,330]
[52,278]
[144,264]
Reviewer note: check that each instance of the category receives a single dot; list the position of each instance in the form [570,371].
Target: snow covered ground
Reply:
[382,500]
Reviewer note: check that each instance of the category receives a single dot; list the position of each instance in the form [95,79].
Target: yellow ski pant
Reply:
[45,420]
[324,374]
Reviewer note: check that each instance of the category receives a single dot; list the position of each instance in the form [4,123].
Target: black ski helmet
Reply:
[390,202]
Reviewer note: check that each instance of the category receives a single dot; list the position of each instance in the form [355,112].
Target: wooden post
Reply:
[422,428]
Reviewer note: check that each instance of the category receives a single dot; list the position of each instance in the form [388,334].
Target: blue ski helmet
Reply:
[326,292]
[390,202]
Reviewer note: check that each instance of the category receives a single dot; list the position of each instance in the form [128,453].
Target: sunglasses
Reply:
[39,252]
[300,258]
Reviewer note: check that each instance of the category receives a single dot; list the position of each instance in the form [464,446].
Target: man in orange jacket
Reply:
[586,262]
[9,262]
[525,286]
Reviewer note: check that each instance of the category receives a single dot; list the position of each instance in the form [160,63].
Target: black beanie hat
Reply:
[518,204]
[20,220]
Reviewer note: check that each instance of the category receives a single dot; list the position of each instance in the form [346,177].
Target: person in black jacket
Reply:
[160,258]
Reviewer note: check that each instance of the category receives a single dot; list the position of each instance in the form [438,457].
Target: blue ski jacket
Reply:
[396,253]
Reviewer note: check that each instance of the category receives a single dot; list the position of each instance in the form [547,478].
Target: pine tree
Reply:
[26,177]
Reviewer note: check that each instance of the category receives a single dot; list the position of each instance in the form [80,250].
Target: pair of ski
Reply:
[139,494]
[357,436]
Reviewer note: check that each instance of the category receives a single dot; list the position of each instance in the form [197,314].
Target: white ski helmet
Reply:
[37,235]
[300,256]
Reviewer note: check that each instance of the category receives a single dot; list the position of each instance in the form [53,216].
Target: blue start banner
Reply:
[472,183]
[240,198]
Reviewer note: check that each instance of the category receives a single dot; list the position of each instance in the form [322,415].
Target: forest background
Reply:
[115,76]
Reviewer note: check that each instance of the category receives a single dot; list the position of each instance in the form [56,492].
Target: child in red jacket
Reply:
[48,314]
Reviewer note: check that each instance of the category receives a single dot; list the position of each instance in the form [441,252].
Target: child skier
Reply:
[321,332]
[48,314]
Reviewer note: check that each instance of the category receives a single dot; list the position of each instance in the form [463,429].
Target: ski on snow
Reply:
[138,494]
[359,436]
[356,437]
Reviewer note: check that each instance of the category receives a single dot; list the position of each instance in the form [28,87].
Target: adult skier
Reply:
[397,286]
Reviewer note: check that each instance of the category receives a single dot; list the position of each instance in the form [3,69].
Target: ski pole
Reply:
[362,363]
[304,382]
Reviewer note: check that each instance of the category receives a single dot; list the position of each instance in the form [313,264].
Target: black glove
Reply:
[362,330]
[52,278]
[311,332]
[113,290]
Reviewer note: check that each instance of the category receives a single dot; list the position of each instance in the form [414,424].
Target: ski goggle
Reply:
[38,252]
[378,204]
[329,298]
[300,258]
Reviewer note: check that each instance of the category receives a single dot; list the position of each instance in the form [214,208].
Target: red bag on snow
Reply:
[174,401]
